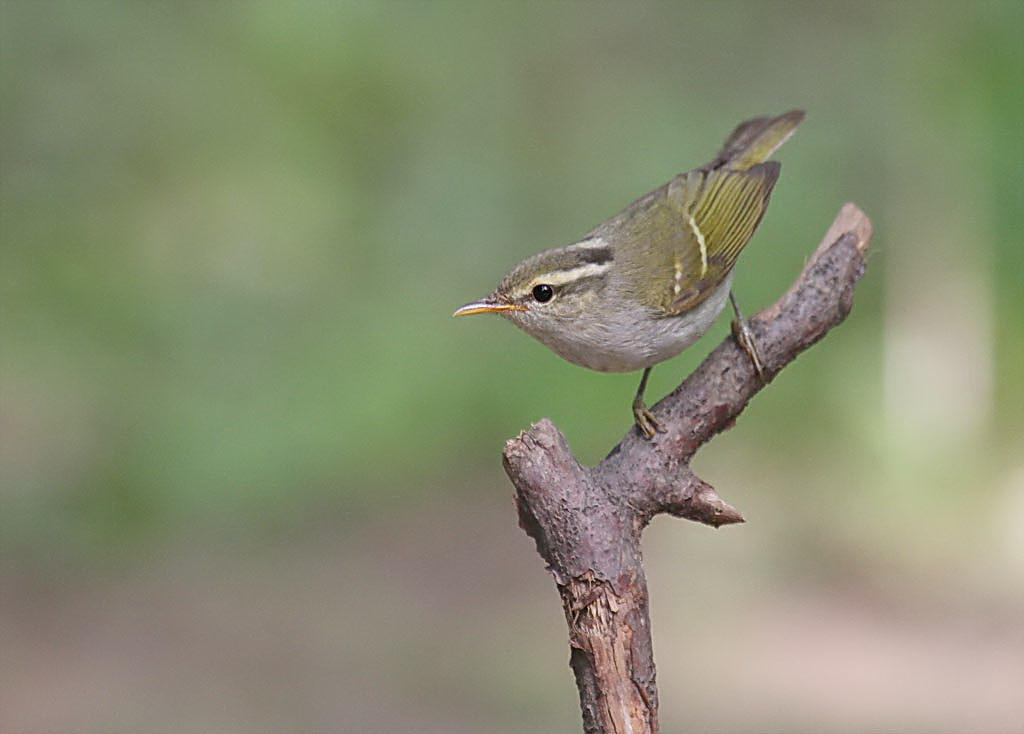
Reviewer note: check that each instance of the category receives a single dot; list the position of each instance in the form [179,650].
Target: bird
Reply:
[645,284]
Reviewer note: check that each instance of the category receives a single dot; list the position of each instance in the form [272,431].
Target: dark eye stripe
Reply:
[582,284]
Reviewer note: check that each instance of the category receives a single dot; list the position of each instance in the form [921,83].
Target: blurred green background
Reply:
[251,476]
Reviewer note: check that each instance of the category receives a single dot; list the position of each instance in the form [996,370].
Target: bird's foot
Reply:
[645,421]
[745,338]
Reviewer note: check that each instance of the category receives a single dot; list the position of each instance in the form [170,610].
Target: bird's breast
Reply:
[626,339]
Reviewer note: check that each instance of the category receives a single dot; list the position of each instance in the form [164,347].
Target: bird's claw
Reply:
[645,421]
[745,338]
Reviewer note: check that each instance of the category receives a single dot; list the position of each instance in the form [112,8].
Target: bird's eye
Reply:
[543,293]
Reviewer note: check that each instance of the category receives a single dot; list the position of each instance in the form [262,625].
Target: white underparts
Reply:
[628,336]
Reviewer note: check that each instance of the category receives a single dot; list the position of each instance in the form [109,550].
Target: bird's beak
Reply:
[487,305]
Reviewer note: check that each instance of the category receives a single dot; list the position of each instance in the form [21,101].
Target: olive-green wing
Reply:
[685,236]
[718,212]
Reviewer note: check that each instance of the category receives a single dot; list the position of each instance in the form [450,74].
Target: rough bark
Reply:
[587,521]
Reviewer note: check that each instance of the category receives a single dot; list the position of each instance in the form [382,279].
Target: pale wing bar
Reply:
[726,208]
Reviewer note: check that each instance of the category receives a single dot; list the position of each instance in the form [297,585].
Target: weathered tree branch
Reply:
[587,521]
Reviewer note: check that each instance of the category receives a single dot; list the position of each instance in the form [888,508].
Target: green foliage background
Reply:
[233,236]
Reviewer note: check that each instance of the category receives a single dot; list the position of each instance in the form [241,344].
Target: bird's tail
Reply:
[754,141]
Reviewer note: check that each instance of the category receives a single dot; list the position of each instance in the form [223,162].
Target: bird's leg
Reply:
[644,420]
[741,332]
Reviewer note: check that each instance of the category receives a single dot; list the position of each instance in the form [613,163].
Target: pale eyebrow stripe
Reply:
[569,275]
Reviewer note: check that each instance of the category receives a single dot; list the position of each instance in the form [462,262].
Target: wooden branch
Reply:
[587,521]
